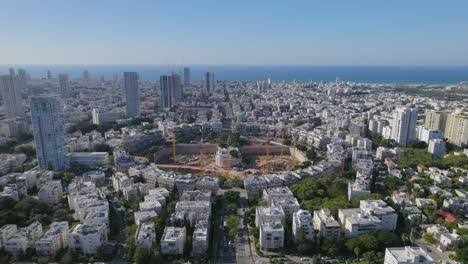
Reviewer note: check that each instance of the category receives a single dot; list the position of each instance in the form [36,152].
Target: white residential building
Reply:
[384,212]
[53,239]
[326,224]
[302,219]
[254,185]
[437,148]
[146,236]
[407,255]
[87,238]
[270,193]
[51,193]
[24,238]
[290,205]
[271,235]
[355,223]
[404,125]
[268,214]
[173,240]
[200,240]
[208,184]
[143,216]
[6,232]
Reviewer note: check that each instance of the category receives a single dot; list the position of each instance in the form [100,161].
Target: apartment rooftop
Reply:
[409,254]
[84,229]
[356,217]
[271,226]
[146,231]
[377,207]
[173,233]
[326,217]
[270,210]
[279,191]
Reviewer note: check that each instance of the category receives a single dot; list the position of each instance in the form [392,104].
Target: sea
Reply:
[304,73]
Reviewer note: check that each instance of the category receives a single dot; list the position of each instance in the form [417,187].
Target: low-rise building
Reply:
[208,184]
[95,176]
[355,223]
[271,235]
[185,182]
[143,216]
[173,240]
[6,232]
[53,239]
[326,224]
[51,193]
[24,238]
[254,185]
[87,238]
[268,214]
[382,210]
[407,255]
[200,239]
[303,222]
[270,193]
[290,205]
[146,236]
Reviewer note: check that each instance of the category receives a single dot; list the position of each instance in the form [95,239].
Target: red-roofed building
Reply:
[449,217]
[421,168]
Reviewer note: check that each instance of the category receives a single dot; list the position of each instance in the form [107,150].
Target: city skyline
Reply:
[259,33]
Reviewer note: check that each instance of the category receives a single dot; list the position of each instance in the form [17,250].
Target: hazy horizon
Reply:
[208,32]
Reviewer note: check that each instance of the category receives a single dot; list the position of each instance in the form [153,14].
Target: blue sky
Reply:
[346,32]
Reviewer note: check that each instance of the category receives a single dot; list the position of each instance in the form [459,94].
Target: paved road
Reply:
[121,256]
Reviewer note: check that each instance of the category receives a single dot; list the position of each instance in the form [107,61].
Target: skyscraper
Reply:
[166,91]
[48,129]
[132,94]
[209,82]
[404,125]
[49,75]
[456,129]
[11,86]
[63,85]
[435,120]
[85,76]
[23,79]
[186,77]
[176,86]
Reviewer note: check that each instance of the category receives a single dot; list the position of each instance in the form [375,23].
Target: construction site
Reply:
[261,157]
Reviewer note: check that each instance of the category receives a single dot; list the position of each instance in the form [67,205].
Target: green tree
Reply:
[311,154]
[232,223]
[141,255]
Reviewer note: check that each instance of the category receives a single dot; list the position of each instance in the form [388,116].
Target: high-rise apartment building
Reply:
[186,77]
[63,85]
[209,82]
[436,120]
[85,76]
[176,84]
[132,94]
[48,129]
[456,129]
[11,86]
[404,125]
[166,91]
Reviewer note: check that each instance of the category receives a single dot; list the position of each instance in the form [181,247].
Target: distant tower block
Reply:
[63,85]
[132,94]
[209,84]
[186,77]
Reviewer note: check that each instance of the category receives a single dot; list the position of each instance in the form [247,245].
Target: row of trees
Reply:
[28,210]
